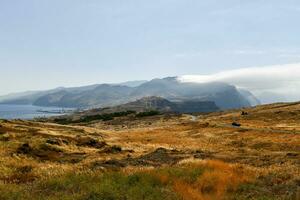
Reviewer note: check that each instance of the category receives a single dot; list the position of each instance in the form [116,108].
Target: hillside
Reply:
[170,156]
[225,96]
[145,105]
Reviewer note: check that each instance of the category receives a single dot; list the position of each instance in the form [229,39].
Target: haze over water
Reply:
[26,111]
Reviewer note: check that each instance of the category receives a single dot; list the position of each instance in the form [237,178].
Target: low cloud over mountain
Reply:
[269,84]
[225,96]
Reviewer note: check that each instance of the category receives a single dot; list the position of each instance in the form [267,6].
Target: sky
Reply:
[51,43]
[269,84]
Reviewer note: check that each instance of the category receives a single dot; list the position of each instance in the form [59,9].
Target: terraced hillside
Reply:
[239,154]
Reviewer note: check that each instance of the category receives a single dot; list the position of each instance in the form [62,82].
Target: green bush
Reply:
[104,117]
[148,113]
[62,121]
[86,119]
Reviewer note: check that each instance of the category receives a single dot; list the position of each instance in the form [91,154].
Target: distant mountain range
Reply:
[225,96]
[143,105]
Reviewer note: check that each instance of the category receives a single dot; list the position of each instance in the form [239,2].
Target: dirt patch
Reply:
[199,154]
[20,176]
[56,141]
[160,156]
[109,164]
[24,149]
[90,142]
[292,154]
[112,149]
[47,152]
[262,145]
[238,143]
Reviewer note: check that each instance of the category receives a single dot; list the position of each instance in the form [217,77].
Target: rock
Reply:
[199,154]
[244,113]
[25,169]
[108,164]
[157,158]
[112,149]
[54,141]
[114,163]
[236,124]
[24,149]
[90,142]
[48,148]
[292,154]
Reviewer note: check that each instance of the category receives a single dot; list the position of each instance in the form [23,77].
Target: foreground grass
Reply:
[212,180]
[49,161]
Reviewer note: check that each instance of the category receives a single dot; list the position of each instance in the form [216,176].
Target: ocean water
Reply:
[26,111]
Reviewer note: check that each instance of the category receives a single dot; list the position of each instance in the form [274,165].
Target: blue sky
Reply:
[50,43]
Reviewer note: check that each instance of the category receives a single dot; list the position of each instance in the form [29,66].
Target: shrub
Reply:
[62,121]
[148,113]
[104,117]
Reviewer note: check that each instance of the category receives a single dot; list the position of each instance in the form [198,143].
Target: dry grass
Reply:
[216,182]
[193,181]
[258,159]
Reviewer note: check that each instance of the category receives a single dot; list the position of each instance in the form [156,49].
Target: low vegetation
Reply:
[90,118]
[207,180]
[104,117]
[175,157]
[148,113]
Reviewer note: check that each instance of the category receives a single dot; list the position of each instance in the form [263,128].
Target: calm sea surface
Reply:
[26,111]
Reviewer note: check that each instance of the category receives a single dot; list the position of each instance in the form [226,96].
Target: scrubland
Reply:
[168,156]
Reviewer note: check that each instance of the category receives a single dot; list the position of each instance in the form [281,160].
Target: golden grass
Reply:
[192,181]
[255,150]
[216,182]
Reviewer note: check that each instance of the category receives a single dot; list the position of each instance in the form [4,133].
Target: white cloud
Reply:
[279,79]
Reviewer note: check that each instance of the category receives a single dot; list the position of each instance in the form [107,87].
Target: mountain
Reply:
[29,97]
[132,83]
[16,95]
[164,105]
[224,95]
[102,95]
[253,100]
[143,105]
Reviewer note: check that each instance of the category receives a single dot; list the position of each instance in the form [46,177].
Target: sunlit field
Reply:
[155,157]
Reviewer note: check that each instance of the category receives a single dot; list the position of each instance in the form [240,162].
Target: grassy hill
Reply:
[169,156]
[147,106]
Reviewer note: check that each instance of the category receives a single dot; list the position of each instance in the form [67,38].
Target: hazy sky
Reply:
[51,43]
[282,80]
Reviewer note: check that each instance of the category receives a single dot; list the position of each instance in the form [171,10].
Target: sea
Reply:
[29,111]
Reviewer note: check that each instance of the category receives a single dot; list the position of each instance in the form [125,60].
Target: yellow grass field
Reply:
[200,157]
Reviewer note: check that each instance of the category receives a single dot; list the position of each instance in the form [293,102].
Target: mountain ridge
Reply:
[163,105]
[102,95]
